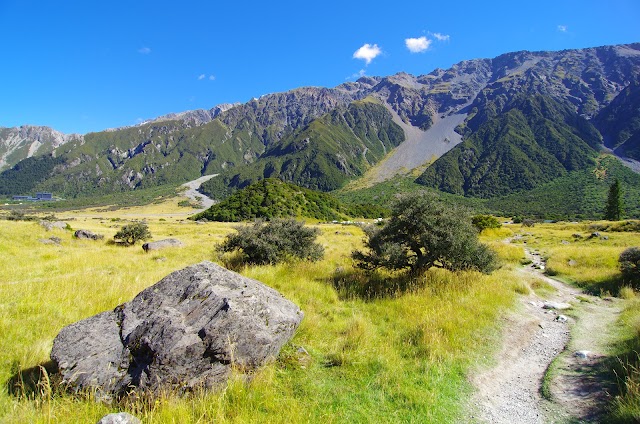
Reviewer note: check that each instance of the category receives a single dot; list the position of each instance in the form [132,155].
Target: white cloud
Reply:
[201,77]
[144,50]
[417,45]
[357,75]
[440,37]
[562,28]
[212,77]
[367,53]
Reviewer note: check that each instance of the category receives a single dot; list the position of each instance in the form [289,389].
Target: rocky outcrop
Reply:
[87,235]
[54,225]
[161,244]
[26,141]
[186,331]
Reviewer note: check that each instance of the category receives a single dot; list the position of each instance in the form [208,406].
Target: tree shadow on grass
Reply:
[38,381]
[609,287]
[372,285]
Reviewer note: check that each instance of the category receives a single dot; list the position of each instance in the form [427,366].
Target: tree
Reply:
[274,242]
[613,210]
[424,232]
[132,233]
[629,263]
[482,222]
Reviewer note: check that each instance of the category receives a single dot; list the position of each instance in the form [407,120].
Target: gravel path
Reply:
[535,335]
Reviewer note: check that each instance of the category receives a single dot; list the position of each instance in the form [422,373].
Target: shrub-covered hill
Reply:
[272,198]
[577,195]
[533,141]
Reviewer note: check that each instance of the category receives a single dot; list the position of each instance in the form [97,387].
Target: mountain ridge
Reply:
[240,139]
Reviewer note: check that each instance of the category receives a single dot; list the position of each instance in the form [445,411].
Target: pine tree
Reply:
[613,211]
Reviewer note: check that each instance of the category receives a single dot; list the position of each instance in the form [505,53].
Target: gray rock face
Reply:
[161,244]
[48,225]
[87,235]
[185,331]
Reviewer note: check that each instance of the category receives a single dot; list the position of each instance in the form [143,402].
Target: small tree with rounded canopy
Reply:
[132,233]
[629,263]
[274,242]
[422,233]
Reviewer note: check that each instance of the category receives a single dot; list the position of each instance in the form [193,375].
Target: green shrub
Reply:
[629,263]
[273,242]
[130,234]
[424,232]
[482,222]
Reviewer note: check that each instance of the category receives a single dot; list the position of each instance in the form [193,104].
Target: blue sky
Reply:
[82,66]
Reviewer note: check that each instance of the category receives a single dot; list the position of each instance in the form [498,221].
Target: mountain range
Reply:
[483,128]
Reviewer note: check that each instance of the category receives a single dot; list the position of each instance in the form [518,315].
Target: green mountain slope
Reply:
[147,156]
[619,122]
[24,177]
[535,140]
[579,194]
[324,155]
[273,198]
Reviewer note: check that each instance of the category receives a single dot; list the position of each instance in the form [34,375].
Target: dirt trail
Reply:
[536,335]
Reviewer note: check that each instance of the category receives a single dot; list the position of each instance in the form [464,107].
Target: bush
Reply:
[130,234]
[424,232]
[482,222]
[276,241]
[629,263]
[528,223]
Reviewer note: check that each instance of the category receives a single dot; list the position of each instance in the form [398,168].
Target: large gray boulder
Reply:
[161,244]
[186,331]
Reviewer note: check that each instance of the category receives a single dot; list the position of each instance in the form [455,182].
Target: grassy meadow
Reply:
[373,354]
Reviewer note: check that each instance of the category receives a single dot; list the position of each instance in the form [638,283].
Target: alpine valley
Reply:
[524,127]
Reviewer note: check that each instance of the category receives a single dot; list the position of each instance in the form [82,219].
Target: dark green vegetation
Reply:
[24,177]
[272,198]
[533,141]
[323,155]
[614,209]
[132,233]
[577,195]
[274,242]
[630,266]
[482,222]
[421,233]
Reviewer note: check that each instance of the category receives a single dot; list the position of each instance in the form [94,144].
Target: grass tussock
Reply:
[397,356]
[625,407]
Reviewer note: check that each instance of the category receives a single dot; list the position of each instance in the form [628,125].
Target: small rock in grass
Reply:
[583,354]
[119,418]
[562,318]
[556,305]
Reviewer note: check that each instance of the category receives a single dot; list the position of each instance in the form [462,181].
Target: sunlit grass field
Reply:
[401,356]
[396,356]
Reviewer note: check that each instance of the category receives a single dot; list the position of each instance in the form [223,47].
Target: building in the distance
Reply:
[40,197]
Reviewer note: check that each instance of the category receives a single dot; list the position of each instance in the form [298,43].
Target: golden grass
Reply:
[398,358]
